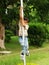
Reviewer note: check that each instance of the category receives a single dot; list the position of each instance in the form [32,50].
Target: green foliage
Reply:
[47,35]
[33,9]
[37,34]
[8,35]
[42,7]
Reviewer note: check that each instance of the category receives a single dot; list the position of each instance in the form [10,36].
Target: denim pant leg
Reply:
[24,44]
[21,41]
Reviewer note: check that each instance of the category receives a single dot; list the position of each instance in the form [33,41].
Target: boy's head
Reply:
[26,20]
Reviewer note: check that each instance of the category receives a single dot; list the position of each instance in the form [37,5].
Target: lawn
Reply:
[38,56]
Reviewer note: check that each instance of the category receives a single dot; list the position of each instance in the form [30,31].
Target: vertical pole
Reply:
[22,8]
[23,32]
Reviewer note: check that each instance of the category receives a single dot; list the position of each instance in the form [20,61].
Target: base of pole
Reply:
[29,64]
[24,59]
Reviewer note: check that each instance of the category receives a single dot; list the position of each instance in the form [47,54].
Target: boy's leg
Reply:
[21,41]
[26,45]
[22,45]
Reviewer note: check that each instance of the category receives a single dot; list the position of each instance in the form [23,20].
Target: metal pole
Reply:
[23,32]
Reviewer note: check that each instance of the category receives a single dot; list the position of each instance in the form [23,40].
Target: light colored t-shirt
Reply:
[21,30]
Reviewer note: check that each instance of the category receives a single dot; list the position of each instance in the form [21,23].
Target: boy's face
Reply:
[25,21]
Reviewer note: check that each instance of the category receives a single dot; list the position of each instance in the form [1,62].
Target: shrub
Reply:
[8,34]
[37,33]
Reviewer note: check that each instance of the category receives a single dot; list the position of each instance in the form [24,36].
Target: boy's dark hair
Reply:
[26,19]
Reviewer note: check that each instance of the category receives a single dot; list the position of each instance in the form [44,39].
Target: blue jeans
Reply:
[24,44]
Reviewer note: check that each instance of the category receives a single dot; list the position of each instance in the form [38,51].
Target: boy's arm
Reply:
[27,27]
[21,18]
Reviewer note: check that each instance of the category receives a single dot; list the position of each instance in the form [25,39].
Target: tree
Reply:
[7,13]
[42,7]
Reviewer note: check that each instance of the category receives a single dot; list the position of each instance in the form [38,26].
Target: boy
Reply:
[25,45]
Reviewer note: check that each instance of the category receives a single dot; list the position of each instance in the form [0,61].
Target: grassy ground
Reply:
[39,56]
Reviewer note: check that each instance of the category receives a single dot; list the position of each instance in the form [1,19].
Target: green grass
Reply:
[14,45]
[38,56]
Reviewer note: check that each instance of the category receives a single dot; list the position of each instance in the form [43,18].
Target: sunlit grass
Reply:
[38,56]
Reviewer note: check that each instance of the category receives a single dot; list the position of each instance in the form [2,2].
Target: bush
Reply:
[8,35]
[37,33]
[47,31]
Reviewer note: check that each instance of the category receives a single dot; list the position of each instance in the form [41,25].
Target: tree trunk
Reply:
[2,35]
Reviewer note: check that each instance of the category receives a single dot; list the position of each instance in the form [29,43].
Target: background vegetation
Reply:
[37,12]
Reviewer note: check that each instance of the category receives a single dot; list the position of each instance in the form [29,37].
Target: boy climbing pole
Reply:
[23,23]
